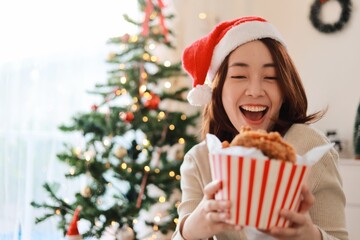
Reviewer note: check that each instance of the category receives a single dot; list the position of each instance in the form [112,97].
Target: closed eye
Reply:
[272,78]
[238,77]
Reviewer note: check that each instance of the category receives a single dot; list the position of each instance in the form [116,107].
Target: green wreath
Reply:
[333,27]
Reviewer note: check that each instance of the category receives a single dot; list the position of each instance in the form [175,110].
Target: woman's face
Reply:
[251,94]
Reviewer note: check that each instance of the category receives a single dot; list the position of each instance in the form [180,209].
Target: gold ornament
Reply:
[86,192]
[120,152]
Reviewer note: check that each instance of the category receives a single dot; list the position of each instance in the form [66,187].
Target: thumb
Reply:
[308,199]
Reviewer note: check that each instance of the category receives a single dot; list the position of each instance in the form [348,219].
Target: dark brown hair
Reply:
[293,109]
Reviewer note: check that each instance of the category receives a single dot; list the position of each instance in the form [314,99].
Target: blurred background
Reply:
[52,52]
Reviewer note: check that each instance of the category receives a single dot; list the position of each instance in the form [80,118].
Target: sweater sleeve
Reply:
[328,211]
[324,181]
[192,194]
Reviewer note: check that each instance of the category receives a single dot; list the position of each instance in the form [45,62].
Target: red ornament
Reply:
[125,38]
[152,102]
[127,117]
[94,107]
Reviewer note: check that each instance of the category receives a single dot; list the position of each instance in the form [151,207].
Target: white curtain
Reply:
[51,53]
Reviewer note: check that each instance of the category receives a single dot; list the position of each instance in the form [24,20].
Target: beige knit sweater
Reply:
[324,182]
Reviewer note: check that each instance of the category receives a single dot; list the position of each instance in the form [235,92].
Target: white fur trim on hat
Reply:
[238,35]
[199,95]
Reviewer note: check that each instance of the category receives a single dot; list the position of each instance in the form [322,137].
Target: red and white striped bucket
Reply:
[258,189]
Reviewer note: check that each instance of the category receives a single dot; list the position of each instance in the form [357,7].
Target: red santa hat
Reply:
[203,58]
[73,232]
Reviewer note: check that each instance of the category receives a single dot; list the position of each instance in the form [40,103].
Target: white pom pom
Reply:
[200,95]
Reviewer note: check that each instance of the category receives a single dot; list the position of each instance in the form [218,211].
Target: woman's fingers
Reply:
[211,188]
[216,206]
[308,199]
[217,217]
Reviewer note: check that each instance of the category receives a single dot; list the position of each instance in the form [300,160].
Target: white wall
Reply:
[328,63]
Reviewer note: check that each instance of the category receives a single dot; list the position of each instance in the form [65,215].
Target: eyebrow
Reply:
[240,64]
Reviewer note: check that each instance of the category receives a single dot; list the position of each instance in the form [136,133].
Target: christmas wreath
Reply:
[327,27]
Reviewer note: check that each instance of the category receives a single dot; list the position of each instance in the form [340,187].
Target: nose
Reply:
[255,88]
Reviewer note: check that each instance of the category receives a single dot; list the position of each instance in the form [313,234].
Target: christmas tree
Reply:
[134,142]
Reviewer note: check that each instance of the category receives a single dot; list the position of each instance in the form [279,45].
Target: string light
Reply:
[123,166]
[134,38]
[157,170]
[157,218]
[146,56]
[155,228]
[147,95]
[134,107]
[145,119]
[123,79]
[161,115]
[57,211]
[152,46]
[72,171]
[147,169]
[118,92]
[129,170]
[77,151]
[167,84]
[122,66]
[183,117]
[167,63]
[135,221]
[181,140]
[144,75]
[178,177]
[88,155]
[162,199]
[146,142]
[176,220]
[171,173]
[153,58]
[107,141]
[172,127]
[142,90]
[202,15]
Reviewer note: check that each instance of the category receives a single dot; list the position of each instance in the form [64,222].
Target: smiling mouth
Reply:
[253,113]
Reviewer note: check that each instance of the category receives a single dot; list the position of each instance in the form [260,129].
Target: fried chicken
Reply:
[270,143]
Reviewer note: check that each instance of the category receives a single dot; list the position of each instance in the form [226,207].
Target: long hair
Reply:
[293,109]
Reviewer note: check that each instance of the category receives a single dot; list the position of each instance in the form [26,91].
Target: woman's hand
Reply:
[209,217]
[301,226]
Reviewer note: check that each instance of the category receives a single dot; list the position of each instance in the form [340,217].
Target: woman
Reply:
[254,83]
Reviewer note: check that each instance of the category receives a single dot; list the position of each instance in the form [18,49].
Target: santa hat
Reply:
[203,58]
[73,232]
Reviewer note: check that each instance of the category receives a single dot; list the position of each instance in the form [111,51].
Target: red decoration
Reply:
[94,107]
[152,102]
[127,117]
[142,189]
[72,232]
[125,38]
[148,10]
